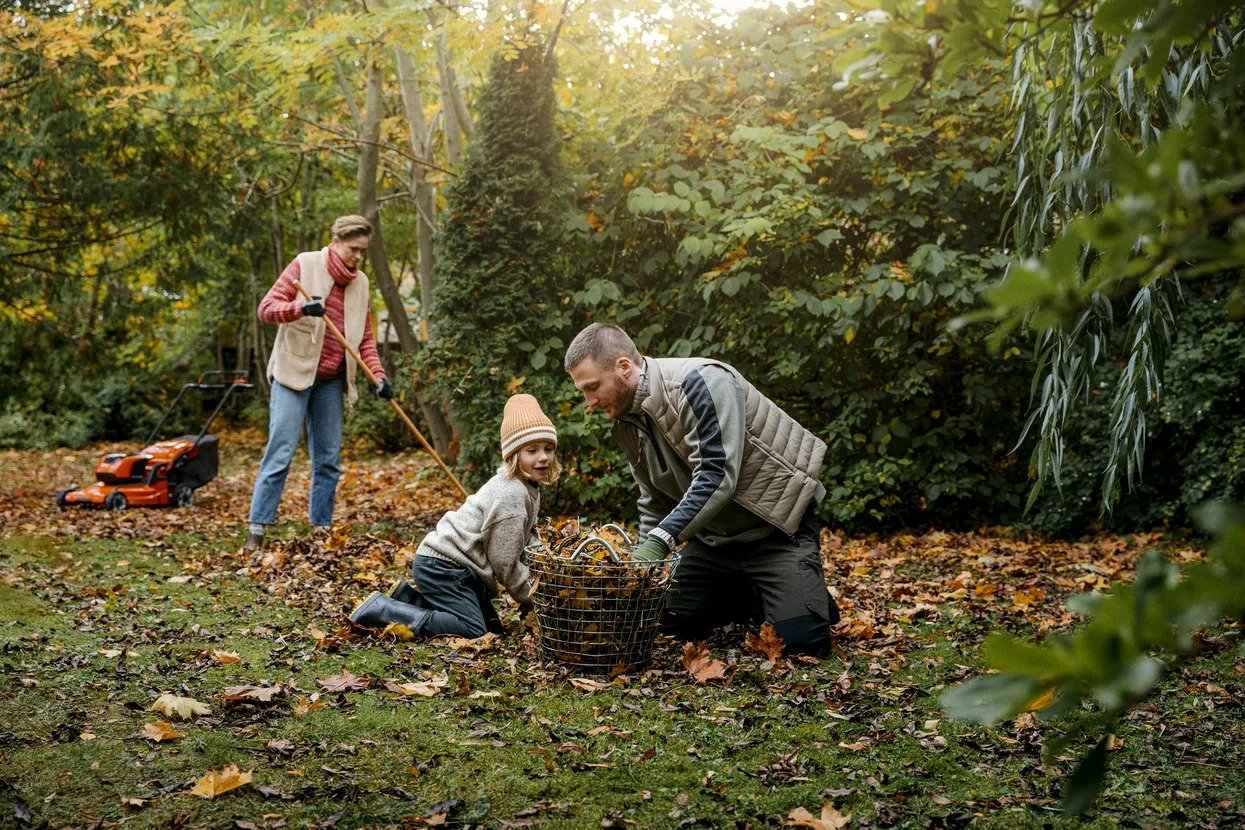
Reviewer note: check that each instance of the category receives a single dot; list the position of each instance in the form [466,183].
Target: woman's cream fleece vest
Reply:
[296,351]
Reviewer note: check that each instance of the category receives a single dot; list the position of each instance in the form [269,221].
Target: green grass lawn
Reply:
[102,613]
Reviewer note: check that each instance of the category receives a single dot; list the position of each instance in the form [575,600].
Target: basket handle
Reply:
[595,539]
[621,532]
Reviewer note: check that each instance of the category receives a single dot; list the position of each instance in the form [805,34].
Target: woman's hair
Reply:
[514,471]
[348,227]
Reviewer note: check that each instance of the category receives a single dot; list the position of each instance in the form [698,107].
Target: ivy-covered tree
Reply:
[496,300]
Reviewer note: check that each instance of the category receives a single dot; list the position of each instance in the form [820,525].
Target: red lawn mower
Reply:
[167,472]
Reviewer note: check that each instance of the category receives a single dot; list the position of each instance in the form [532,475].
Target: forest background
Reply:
[821,195]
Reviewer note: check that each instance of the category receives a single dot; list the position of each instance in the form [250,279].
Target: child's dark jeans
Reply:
[457,598]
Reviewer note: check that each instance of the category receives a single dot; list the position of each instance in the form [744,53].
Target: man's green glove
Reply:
[650,550]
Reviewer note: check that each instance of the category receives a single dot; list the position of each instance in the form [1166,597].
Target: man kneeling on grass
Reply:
[476,549]
[724,469]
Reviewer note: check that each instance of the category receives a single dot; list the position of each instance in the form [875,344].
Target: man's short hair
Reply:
[348,227]
[604,343]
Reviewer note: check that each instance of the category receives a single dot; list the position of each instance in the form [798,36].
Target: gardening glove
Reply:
[384,391]
[650,550]
[315,308]
[526,608]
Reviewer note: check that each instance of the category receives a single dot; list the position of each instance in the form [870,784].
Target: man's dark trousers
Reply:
[778,578]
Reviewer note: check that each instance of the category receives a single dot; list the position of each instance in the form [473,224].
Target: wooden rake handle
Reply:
[372,379]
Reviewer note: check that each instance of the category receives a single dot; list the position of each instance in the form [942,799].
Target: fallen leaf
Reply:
[280,746]
[132,802]
[263,694]
[303,705]
[857,134]
[180,579]
[161,730]
[429,688]
[179,707]
[218,782]
[588,684]
[1027,597]
[224,657]
[767,643]
[1041,701]
[346,681]
[831,819]
[488,642]
[398,631]
[700,665]
[110,652]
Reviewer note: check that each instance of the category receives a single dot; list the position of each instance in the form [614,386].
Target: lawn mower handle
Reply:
[240,377]
[397,407]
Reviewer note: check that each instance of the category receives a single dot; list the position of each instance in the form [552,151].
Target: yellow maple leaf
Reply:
[219,781]
[179,707]
[398,631]
[830,819]
[161,730]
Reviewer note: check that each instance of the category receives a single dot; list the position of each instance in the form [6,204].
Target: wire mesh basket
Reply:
[597,610]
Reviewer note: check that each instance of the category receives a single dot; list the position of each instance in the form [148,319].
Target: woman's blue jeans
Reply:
[322,407]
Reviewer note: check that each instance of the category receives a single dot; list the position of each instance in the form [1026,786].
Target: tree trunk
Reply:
[454,114]
[369,206]
[423,194]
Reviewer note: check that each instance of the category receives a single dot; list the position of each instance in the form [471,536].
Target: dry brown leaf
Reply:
[700,665]
[132,802]
[1025,598]
[179,707]
[263,694]
[161,730]
[830,819]
[303,705]
[767,643]
[429,688]
[587,684]
[488,642]
[224,657]
[218,782]
[344,682]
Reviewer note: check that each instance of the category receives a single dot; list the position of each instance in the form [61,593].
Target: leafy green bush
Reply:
[496,319]
[822,246]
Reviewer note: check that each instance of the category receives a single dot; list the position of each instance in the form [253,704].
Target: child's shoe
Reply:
[379,610]
[403,591]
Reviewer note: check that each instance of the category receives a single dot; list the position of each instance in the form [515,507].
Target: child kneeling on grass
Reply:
[477,548]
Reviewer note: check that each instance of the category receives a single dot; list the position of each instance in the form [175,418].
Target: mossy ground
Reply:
[96,621]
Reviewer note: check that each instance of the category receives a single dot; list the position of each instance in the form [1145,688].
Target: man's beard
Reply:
[625,401]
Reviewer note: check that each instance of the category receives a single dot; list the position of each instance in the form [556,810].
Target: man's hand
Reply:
[650,550]
[526,608]
[384,391]
[315,308]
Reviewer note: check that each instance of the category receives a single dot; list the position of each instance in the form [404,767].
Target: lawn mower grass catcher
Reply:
[167,472]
